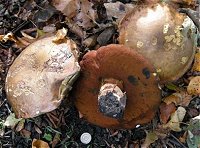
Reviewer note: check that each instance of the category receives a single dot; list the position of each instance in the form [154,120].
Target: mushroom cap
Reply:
[34,78]
[164,36]
[139,83]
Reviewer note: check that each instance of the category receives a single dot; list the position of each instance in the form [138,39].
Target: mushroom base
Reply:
[112,101]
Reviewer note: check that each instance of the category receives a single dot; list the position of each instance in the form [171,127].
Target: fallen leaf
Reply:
[26,38]
[183,138]
[44,14]
[193,133]
[87,8]
[193,112]
[8,37]
[75,28]
[90,41]
[60,35]
[20,125]
[165,111]
[196,65]
[117,10]
[194,86]
[197,117]
[184,2]
[48,29]
[56,139]
[37,129]
[176,118]
[179,98]
[68,7]
[150,138]
[105,36]
[172,86]
[11,121]
[39,144]
[83,20]
[48,137]
[25,133]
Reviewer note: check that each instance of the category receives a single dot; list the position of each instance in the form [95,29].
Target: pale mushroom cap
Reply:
[166,37]
[34,78]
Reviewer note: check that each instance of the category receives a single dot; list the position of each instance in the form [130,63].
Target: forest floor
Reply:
[92,26]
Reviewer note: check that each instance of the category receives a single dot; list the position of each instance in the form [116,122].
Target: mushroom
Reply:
[34,78]
[117,88]
[164,36]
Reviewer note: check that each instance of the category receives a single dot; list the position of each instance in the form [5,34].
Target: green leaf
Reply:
[171,86]
[11,121]
[48,137]
[193,138]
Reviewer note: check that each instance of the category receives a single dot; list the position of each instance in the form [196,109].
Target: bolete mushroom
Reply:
[117,88]
[164,36]
[34,78]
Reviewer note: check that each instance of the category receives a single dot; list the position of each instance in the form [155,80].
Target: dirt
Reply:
[63,127]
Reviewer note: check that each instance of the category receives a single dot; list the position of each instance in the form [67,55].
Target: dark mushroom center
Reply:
[111,101]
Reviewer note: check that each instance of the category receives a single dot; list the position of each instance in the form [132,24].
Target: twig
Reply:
[178,141]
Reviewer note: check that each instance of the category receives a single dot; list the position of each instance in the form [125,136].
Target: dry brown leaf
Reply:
[39,144]
[194,86]
[165,111]
[150,138]
[83,20]
[117,10]
[179,98]
[75,28]
[161,132]
[87,16]
[37,129]
[176,118]
[49,28]
[196,65]
[60,35]
[56,139]
[68,7]
[86,7]
[186,2]
[20,125]
[90,41]
[9,36]
[25,133]
[183,138]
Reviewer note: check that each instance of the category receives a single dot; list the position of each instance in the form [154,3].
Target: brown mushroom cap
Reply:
[34,78]
[139,84]
[166,37]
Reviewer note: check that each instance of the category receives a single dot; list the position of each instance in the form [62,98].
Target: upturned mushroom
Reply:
[164,36]
[35,80]
[117,88]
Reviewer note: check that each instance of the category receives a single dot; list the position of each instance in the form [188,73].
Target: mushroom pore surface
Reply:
[131,73]
[34,78]
[164,36]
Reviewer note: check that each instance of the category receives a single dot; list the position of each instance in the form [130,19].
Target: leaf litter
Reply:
[86,22]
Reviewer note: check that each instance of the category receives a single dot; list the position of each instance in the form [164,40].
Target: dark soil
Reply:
[63,127]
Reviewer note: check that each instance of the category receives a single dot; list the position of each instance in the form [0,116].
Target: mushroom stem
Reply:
[111,101]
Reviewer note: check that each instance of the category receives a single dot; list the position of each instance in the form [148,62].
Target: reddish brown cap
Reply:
[139,83]
[166,37]
[34,78]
